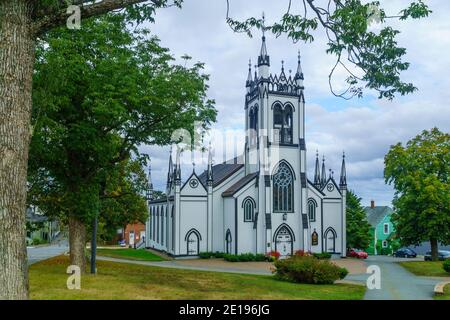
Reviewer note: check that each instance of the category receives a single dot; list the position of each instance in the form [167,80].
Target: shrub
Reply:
[307,269]
[322,256]
[231,257]
[205,255]
[446,265]
[218,254]
[273,255]
[260,257]
[302,253]
[209,255]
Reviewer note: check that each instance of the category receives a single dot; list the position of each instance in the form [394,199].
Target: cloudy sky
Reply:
[364,128]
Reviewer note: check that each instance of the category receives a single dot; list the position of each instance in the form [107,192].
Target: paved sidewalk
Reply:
[220,265]
[396,282]
[39,253]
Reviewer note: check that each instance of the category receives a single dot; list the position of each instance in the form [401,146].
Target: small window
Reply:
[249,209]
[385,244]
[386,228]
[312,210]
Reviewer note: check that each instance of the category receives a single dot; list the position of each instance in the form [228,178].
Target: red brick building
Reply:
[133,233]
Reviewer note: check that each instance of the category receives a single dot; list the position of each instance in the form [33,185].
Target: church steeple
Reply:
[343,179]
[263,58]
[149,194]
[210,165]
[324,173]
[317,171]
[299,74]
[170,171]
[177,173]
[249,81]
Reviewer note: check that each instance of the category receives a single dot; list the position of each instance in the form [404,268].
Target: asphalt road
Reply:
[396,282]
[39,253]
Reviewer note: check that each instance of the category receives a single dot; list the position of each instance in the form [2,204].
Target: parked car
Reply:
[122,243]
[405,253]
[356,253]
[443,255]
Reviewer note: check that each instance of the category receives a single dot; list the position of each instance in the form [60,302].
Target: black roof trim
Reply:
[239,184]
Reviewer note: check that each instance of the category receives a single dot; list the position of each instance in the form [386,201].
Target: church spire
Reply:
[324,173]
[299,74]
[317,171]
[210,166]
[263,58]
[343,180]
[249,77]
[149,184]
[170,171]
[177,173]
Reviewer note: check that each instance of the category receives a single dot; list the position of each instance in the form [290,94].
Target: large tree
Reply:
[22,22]
[358,229]
[98,94]
[420,173]
[124,200]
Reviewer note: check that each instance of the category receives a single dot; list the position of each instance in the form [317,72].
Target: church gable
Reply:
[193,187]
[331,189]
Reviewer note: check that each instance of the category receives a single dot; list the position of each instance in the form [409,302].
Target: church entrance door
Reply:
[283,242]
[192,244]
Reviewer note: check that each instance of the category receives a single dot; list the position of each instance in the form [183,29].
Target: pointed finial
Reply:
[343,178]
[263,24]
[282,65]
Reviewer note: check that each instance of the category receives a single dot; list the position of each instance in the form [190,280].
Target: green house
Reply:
[383,240]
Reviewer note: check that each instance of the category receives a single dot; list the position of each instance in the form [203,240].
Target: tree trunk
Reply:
[434,249]
[77,242]
[16,71]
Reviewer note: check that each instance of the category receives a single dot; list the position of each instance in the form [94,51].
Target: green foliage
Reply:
[376,54]
[99,93]
[38,241]
[322,256]
[209,255]
[245,257]
[446,265]
[419,172]
[358,229]
[308,269]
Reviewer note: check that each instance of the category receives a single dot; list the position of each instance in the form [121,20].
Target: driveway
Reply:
[39,253]
[396,282]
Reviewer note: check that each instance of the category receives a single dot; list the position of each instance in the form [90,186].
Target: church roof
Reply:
[221,172]
[376,214]
[239,185]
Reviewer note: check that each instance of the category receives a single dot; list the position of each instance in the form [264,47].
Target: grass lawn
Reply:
[126,281]
[445,296]
[425,268]
[131,254]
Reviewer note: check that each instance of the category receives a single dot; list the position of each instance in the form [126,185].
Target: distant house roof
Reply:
[239,184]
[375,215]
[221,172]
[32,217]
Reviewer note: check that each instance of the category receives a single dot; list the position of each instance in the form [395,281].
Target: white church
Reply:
[261,201]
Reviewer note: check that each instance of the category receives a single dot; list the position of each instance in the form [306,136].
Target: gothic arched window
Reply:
[282,123]
[253,125]
[249,209]
[312,209]
[283,189]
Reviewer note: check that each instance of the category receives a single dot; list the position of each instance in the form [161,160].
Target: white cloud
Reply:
[364,128]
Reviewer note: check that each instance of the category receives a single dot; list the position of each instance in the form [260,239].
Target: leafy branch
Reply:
[373,60]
